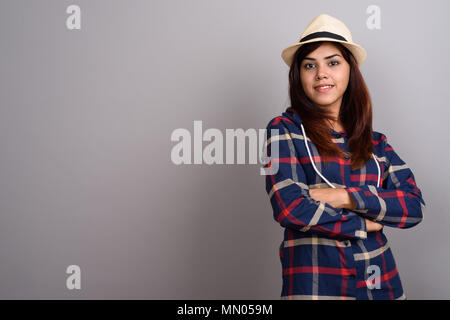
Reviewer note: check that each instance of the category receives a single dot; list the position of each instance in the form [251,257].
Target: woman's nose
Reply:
[321,73]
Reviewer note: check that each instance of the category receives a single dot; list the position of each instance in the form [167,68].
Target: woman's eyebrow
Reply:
[329,57]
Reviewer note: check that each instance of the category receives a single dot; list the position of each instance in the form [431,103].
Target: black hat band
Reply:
[323,34]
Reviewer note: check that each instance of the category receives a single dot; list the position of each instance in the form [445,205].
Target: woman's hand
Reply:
[372,225]
[335,197]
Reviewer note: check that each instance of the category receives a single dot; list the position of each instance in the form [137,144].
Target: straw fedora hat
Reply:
[326,28]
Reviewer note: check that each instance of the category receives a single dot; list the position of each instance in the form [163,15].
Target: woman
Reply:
[334,189]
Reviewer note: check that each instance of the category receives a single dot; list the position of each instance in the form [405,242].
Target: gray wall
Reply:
[86,118]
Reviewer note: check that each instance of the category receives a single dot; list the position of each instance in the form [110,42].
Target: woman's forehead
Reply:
[324,50]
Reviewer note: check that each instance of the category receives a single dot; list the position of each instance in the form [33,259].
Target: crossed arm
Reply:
[340,198]
[397,203]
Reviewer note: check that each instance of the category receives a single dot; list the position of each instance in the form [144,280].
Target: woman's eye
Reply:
[312,65]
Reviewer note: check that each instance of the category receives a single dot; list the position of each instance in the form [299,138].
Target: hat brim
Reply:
[358,52]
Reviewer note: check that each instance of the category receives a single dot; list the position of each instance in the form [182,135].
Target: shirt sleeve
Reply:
[289,193]
[398,203]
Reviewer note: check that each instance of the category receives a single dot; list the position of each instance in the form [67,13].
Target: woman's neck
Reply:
[336,125]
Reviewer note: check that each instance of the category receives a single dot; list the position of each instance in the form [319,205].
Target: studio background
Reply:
[86,120]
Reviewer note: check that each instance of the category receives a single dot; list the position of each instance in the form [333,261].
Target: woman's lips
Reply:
[323,89]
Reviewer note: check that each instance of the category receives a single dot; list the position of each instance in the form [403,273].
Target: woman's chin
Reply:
[324,103]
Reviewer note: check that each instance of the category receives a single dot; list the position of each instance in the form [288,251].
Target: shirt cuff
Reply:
[358,195]
[362,234]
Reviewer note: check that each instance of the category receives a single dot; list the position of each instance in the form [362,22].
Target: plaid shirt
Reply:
[327,253]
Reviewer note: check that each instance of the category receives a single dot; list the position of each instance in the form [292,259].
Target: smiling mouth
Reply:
[324,88]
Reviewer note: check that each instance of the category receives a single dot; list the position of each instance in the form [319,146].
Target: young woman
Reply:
[337,183]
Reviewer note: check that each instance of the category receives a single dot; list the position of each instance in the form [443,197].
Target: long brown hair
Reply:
[355,112]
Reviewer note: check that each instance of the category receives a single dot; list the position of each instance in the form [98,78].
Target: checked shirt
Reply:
[327,253]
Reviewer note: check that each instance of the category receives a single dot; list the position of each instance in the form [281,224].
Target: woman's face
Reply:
[325,66]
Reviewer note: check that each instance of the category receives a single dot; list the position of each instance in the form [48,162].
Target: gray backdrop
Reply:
[86,118]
